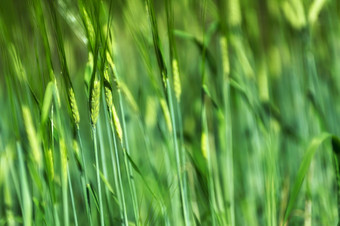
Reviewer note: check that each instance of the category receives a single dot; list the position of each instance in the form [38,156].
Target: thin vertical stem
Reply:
[117,182]
[178,157]
[118,172]
[72,197]
[131,180]
[84,179]
[101,211]
[212,203]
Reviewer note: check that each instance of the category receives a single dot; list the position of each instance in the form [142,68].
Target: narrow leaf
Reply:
[303,170]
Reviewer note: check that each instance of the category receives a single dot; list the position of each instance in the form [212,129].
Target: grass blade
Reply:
[303,170]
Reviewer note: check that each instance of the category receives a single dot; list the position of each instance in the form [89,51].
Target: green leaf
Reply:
[45,108]
[135,167]
[303,170]
[94,195]
[106,182]
[26,196]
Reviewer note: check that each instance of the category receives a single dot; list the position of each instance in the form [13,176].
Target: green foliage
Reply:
[171,112]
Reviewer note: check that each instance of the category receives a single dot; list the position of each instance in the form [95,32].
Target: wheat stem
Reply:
[118,172]
[127,164]
[178,158]
[101,210]
[72,198]
[84,179]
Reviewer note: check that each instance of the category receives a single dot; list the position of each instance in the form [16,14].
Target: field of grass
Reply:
[169,112]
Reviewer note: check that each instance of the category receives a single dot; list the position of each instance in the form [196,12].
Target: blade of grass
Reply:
[307,159]
[26,197]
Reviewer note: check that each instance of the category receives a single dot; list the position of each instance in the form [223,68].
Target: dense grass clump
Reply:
[170,112]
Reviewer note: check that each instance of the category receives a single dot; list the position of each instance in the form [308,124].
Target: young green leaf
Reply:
[303,170]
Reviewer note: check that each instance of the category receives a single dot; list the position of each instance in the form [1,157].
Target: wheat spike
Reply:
[49,164]
[177,80]
[108,92]
[204,144]
[117,123]
[109,60]
[95,102]
[74,107]
[89,26]
[225,57]
[234,13]
[111,107]
[63,158]
[32,136]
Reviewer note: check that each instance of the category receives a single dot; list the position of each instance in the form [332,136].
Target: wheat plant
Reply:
[169,112]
